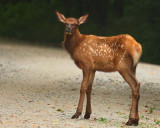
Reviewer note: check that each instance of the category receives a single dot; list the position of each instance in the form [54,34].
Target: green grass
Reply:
[102,120]
[151,109]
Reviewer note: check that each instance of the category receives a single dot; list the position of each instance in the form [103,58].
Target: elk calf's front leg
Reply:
[84,86]
[88,93]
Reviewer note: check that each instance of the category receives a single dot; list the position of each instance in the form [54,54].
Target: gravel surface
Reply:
[39,88]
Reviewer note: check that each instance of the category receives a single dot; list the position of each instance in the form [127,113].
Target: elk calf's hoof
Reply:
[75,116]
[87,115]
[132,122]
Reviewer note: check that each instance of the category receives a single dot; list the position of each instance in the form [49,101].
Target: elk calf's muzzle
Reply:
[68,28]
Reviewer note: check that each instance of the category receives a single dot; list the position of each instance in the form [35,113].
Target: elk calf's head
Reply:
[71,24]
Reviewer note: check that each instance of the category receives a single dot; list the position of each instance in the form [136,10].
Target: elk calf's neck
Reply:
[94,53]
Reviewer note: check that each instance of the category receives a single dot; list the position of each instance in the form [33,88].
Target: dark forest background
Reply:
[36,21]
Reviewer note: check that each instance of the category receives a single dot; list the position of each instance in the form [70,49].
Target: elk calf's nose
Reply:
[68,29]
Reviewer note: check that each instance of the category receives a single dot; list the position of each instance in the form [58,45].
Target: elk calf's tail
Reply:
[137,53]
[134,48]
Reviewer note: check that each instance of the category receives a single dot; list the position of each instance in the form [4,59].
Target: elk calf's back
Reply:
[107,53]
[94,53]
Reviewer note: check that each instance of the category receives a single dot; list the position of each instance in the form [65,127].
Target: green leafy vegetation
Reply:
[119,112]
[157,122]
[142,116]
[125,117]
[151,109]
[59,110]
[102,120]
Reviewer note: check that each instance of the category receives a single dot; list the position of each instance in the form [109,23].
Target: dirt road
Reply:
[39,88]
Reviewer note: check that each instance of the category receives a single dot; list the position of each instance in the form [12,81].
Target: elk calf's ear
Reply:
[82,19]
[61,17]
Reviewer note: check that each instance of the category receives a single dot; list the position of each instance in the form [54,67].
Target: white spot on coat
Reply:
[91,49]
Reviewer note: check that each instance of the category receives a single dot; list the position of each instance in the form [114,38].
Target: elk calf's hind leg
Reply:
[134,84]
[84,86]
[88,93]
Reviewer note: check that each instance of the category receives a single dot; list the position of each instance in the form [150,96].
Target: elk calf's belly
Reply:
[104,65]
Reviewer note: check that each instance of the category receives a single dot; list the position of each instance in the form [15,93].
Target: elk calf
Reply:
[108,54]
